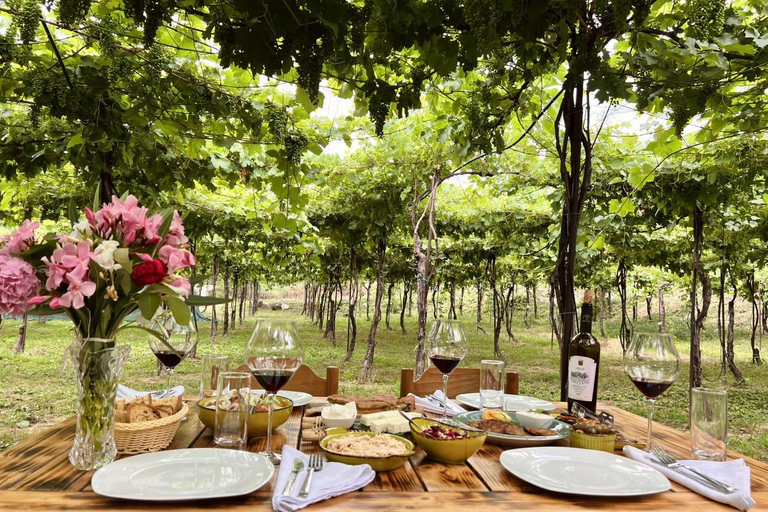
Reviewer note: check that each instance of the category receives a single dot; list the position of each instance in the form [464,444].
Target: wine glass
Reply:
[652,364]
[273,354]
[177,342]
[448,346]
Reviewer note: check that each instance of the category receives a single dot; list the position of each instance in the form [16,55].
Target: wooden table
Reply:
[36,475]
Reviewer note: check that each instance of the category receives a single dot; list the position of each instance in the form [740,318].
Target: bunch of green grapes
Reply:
[72,11]
[483,17]
[705,18]
[378,111]
[48,89]
[295,142]
[310,65]
[277,120]
[25,23]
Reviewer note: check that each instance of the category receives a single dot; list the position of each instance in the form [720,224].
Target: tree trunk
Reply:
[368,301]
[479,303]
[227,269]
[754,296]
[535,303]
[354,290]
[452,306]
[256,297]
[698,315]
[527,313]
[21,339]
[634,309]
[509,309]
[389,305]
[410,301]
[625,330]
[498,306]
[214,278]
[365,371]
[243,294]
[601,316]
[235,290]
[729,347]
[648,298]
[610,303]
[406,297]
[554,321]
[435,290]
[461,302]
[662,310]
[305,305]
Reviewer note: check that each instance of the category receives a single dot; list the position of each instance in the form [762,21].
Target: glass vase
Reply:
[98,364]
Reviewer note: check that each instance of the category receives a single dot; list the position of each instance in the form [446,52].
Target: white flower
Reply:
[81,231]
[104,255]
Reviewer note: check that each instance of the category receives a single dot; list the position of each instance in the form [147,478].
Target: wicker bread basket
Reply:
[148,436]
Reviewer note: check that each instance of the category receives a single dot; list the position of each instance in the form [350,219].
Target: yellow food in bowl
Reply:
[257,420]
[380,463]
[452,451]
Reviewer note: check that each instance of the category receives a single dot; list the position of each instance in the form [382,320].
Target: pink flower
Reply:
[179,284]
[176,259]
[79,288]
[16,242]
[18,284]
[126,218]
[176,235]
[34,301]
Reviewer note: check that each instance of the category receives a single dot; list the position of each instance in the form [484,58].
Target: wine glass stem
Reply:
[445,396]
[270,399]
[169,374]
[651,403]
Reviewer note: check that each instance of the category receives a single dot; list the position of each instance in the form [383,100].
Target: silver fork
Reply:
[673,463]
[316,462]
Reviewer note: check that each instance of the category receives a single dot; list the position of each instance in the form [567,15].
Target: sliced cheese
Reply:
[390,422]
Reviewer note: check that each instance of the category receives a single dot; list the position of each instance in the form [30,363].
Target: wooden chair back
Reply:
[306,380]
[463,380]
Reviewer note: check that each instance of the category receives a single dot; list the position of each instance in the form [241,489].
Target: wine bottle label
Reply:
[581,378]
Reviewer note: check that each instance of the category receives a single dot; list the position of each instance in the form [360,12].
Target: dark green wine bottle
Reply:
[584,360]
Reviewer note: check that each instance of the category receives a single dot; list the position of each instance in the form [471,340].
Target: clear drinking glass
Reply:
[709,423]
[652,364]
[211,365]
[273,355]
[448,346]
[231,418]
[491,384]
[177,341]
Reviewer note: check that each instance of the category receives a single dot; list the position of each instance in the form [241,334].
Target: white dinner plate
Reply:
[191,474]
[585,472]
[299,398]
[510,403]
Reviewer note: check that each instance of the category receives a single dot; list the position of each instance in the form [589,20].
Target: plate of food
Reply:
[177,475]
[504,428]
[509,402]
[299,398]
[383,452]
[585,472]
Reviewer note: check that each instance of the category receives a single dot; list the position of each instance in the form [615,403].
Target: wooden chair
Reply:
[463,380]
[305,380]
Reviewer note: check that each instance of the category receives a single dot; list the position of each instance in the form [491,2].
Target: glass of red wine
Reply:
[652,364]
[447,348]
[273,354]
[176,343]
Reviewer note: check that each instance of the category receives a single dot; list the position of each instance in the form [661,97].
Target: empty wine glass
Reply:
[176,343]
[652,364]
[273,355]
[447,348]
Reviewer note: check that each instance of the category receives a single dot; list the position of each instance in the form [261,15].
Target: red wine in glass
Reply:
[170,359]
[171,343]
[272,380]
[650,388]
[446,364]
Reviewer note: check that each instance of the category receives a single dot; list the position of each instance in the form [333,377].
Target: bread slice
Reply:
[121,411]
[174,402]
[139,411]
[164,410]
[144,399]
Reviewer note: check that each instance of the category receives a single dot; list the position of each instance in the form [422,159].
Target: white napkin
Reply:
[733,472]
[130,394]
[431,406]
[334,480]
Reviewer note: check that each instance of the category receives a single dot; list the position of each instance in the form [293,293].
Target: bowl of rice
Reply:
[383,452]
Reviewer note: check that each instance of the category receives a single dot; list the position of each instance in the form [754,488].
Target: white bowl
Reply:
[337,422]
[533,419]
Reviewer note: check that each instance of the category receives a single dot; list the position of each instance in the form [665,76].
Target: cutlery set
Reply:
[663,458]
[316,463]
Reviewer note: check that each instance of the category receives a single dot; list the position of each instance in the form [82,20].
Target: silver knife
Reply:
[692,476]
[297,467]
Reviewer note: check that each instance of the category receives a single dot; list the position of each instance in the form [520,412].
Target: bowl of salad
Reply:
[444,443]
[257,415]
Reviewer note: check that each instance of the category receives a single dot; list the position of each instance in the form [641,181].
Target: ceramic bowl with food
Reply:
[533,419]
[339,416]
[383,452]
[447,444]
[257,419]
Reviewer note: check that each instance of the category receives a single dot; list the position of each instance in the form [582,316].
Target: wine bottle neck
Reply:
[586,318]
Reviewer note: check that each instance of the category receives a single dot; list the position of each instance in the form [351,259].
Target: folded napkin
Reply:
[130,394]
[334,480]
[733,472]
[437,407]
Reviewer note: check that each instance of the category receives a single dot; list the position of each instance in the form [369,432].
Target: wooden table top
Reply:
[36,474]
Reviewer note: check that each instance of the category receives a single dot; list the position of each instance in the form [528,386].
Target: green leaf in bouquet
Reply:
[167,216]
[45,310]
[199,300]
[148,304]
[97,197]
[126,284]
[123,257]
[198,279]
[179,309]
[106,316]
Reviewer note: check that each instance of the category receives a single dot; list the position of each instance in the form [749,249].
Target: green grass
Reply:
[37,395]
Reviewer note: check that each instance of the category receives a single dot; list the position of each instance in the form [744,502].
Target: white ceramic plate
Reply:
[299,398]
[191,474]
[585,472]
[510,402]
[562,431]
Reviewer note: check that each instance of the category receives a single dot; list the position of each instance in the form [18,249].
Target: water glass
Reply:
[709,423]
[232,392]
[491,384]
[211,366]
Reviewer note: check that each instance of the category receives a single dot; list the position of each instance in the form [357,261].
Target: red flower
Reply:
[149,272]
